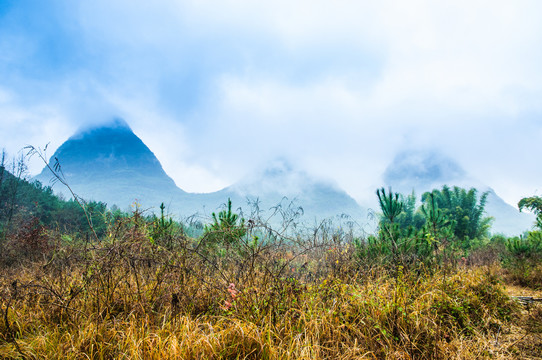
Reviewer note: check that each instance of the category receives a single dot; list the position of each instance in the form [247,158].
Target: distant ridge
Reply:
[110,163]
[319,198]
[425,170]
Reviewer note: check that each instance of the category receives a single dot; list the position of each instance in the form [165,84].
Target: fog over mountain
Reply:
[280,182]
[422,170]
[110,163]
[338,89]
[425,170]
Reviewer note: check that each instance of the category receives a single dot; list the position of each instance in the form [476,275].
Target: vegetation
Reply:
[463,209]
[534,204]
[524,252]
[447,225]
[430,284]
[226,228]
[23,201]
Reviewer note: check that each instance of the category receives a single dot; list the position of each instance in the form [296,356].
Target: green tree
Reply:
[534,204]
[398,240]
[227,228]
[464,209]
[391,204]
[411,216]
[162,229]
[438,228]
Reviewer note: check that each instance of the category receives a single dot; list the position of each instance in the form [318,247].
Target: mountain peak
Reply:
[278,168]
[115,123]
[107,161]
[423,167]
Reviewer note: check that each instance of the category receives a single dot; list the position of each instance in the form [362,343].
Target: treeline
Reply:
[449,228]
[448,224]
[23,201]
[444,226]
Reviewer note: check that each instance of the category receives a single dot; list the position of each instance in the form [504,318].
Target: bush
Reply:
[226,228]
[522,259]
[30,242]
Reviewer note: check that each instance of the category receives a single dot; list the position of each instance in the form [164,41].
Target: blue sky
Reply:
[218,89]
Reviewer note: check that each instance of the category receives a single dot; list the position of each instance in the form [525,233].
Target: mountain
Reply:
[281,183]
[423,171]
[110,163]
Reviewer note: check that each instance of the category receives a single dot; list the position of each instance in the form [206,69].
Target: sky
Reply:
[218,89]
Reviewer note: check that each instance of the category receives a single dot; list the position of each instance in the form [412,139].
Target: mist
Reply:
[218,91]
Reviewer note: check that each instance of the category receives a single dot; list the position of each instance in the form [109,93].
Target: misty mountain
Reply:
[422,171]
[111,164]
[281,183]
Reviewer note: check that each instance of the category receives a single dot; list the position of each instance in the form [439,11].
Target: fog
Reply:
[219,90]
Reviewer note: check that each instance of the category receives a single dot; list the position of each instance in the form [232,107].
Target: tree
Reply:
[463,209]
[534,204]
[226,228]
[162,229]
[10,183]
[394,240]
[437,227]
[390,204]
[411,217]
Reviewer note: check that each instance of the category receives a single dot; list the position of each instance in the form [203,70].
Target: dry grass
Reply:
[129,299]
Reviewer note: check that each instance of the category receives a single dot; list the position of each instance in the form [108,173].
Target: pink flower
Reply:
[233,292]
[227,305]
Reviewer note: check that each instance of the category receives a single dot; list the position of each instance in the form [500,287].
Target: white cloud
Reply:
[217,88]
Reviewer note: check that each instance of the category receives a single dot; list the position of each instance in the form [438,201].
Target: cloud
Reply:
[218,88]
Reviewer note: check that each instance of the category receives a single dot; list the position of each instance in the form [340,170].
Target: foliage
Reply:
[526,248]
[145,290]
[534,204]
[522,258]
[21,199]
[163,229]
[411,216]
[399,243]
[227,228]
[129,298]
[390,204]
[437,224]
[447,226]
[464,209]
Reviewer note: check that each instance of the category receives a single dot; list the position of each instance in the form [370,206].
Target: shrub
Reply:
[226,228]
[522,258]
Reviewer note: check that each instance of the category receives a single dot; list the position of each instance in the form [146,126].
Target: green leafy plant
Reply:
[523,254]
[162,229]
[399,242]
[464,209]
[227,228]
[534,204]
[437,229]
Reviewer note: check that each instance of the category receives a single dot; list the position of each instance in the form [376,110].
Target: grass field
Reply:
[126,297]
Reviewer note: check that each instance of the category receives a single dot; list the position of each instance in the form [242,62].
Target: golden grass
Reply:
[110,305]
